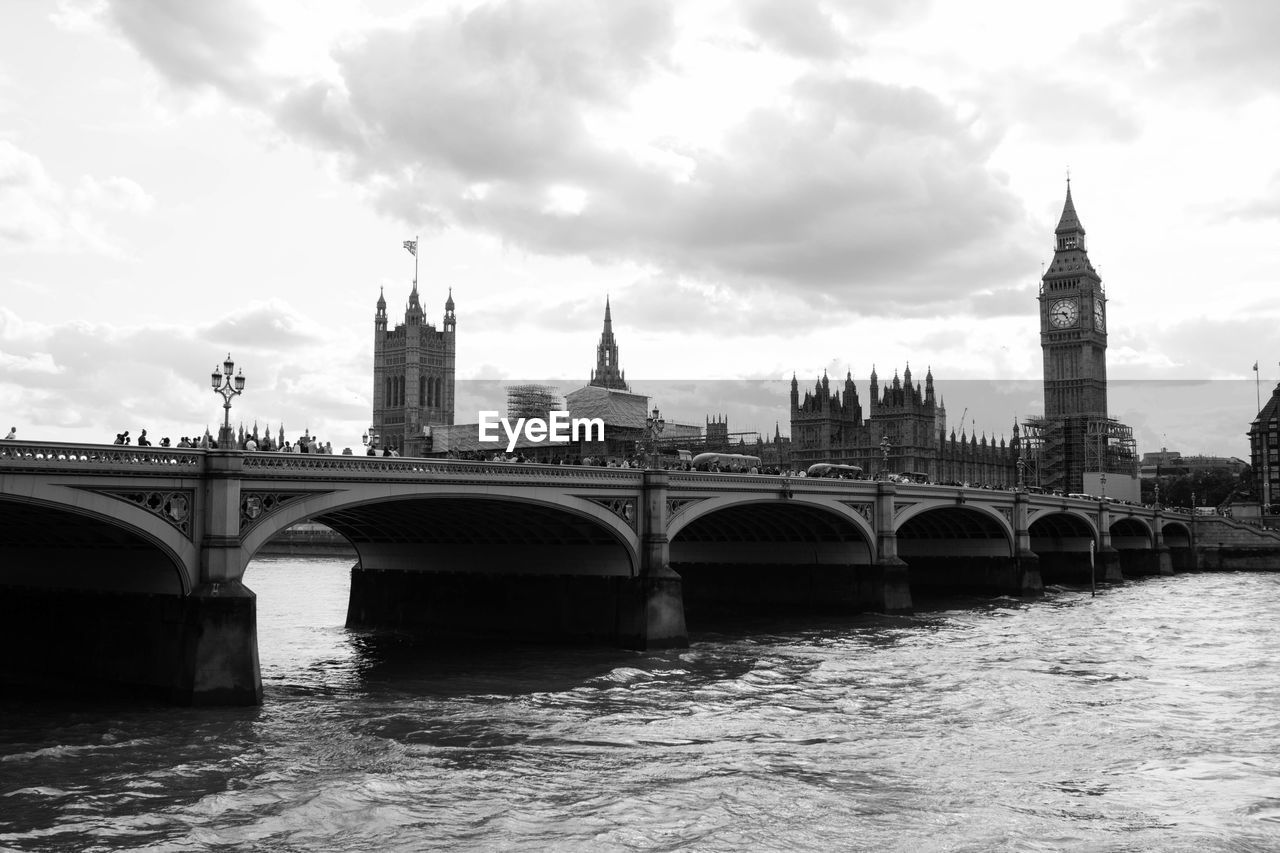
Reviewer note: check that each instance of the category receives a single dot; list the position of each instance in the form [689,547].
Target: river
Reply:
[1147,718]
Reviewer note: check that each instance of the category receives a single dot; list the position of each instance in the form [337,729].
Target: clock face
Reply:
[1099,319]
[1063,313]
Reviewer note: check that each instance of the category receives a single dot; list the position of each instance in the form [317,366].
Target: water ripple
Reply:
[1142,719]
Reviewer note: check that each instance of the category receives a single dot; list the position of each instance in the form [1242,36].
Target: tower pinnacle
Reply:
[607,373]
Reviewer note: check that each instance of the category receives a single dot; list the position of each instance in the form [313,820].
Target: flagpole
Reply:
[415,261]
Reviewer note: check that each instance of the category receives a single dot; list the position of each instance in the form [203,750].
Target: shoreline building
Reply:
[1264,453]
[1076,447]
[413,375]
[829,426]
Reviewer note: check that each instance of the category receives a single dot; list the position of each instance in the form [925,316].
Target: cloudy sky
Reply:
[761,187]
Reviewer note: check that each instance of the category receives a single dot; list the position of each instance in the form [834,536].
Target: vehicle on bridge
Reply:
[738,462]
[831,469]
[918,477]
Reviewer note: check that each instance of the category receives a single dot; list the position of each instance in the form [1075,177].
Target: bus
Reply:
[830,469]
[737,462]
[913,477]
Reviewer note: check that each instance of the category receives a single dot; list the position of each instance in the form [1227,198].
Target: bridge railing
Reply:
[54,454]
[309,465]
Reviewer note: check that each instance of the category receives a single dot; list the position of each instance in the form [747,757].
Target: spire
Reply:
[1069,222]
[607,374]
[448,303]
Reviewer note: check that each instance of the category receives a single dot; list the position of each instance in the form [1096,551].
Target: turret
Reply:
[413,314]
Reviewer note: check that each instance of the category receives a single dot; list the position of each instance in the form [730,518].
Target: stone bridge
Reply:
[125,565]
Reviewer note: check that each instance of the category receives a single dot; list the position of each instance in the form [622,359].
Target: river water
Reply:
[1147,718]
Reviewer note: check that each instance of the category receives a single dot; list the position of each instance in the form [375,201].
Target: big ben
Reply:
[1076,447]
[1073,325]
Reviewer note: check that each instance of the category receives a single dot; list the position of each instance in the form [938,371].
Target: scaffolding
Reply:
[1058,451]
[532,401]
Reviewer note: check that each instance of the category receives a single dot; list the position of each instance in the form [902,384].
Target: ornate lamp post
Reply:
[1021,465]
[654,425]
[1157,492]
[884,457]
[370,440]
[228,386]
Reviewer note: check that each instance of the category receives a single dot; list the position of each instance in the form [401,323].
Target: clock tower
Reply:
[1073,325]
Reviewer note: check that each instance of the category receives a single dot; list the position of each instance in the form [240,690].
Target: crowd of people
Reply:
[305,443]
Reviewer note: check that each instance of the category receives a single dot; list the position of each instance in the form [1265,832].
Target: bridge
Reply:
[125,565]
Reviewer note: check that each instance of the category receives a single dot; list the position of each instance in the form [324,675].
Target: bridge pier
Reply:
[1107,567]
[1145,562]
[947,575]
[219,651]
[198,649]
[890,583]
[653,616]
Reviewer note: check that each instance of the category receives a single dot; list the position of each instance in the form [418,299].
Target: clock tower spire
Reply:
[1073,330]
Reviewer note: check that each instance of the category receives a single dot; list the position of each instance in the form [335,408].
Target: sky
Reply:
[761,188]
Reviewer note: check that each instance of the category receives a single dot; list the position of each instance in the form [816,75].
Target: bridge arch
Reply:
[73,539]
[755,554]
[1065,540]
[758,519]
[935,528]
[1131,532]
[400,525]
[1176,534]
[953,546]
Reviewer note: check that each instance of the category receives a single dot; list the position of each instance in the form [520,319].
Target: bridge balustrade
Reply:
[47,454]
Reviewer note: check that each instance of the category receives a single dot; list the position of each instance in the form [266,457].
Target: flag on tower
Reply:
[412,246]
[1255,367]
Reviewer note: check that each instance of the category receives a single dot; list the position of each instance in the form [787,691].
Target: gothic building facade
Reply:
[1075,445]
[902,430]
[413,375]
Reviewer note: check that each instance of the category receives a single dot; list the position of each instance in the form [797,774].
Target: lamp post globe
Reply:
[229,383]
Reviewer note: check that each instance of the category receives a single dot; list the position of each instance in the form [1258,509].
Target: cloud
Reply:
[114,193]
[37,213]
[490,119]
[1264,206]
[1214,50]
[197,45]
[65,381]
[799,29]
[1040,102]
[30,200]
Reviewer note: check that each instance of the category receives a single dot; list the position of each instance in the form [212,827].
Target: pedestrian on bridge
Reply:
[13,434]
